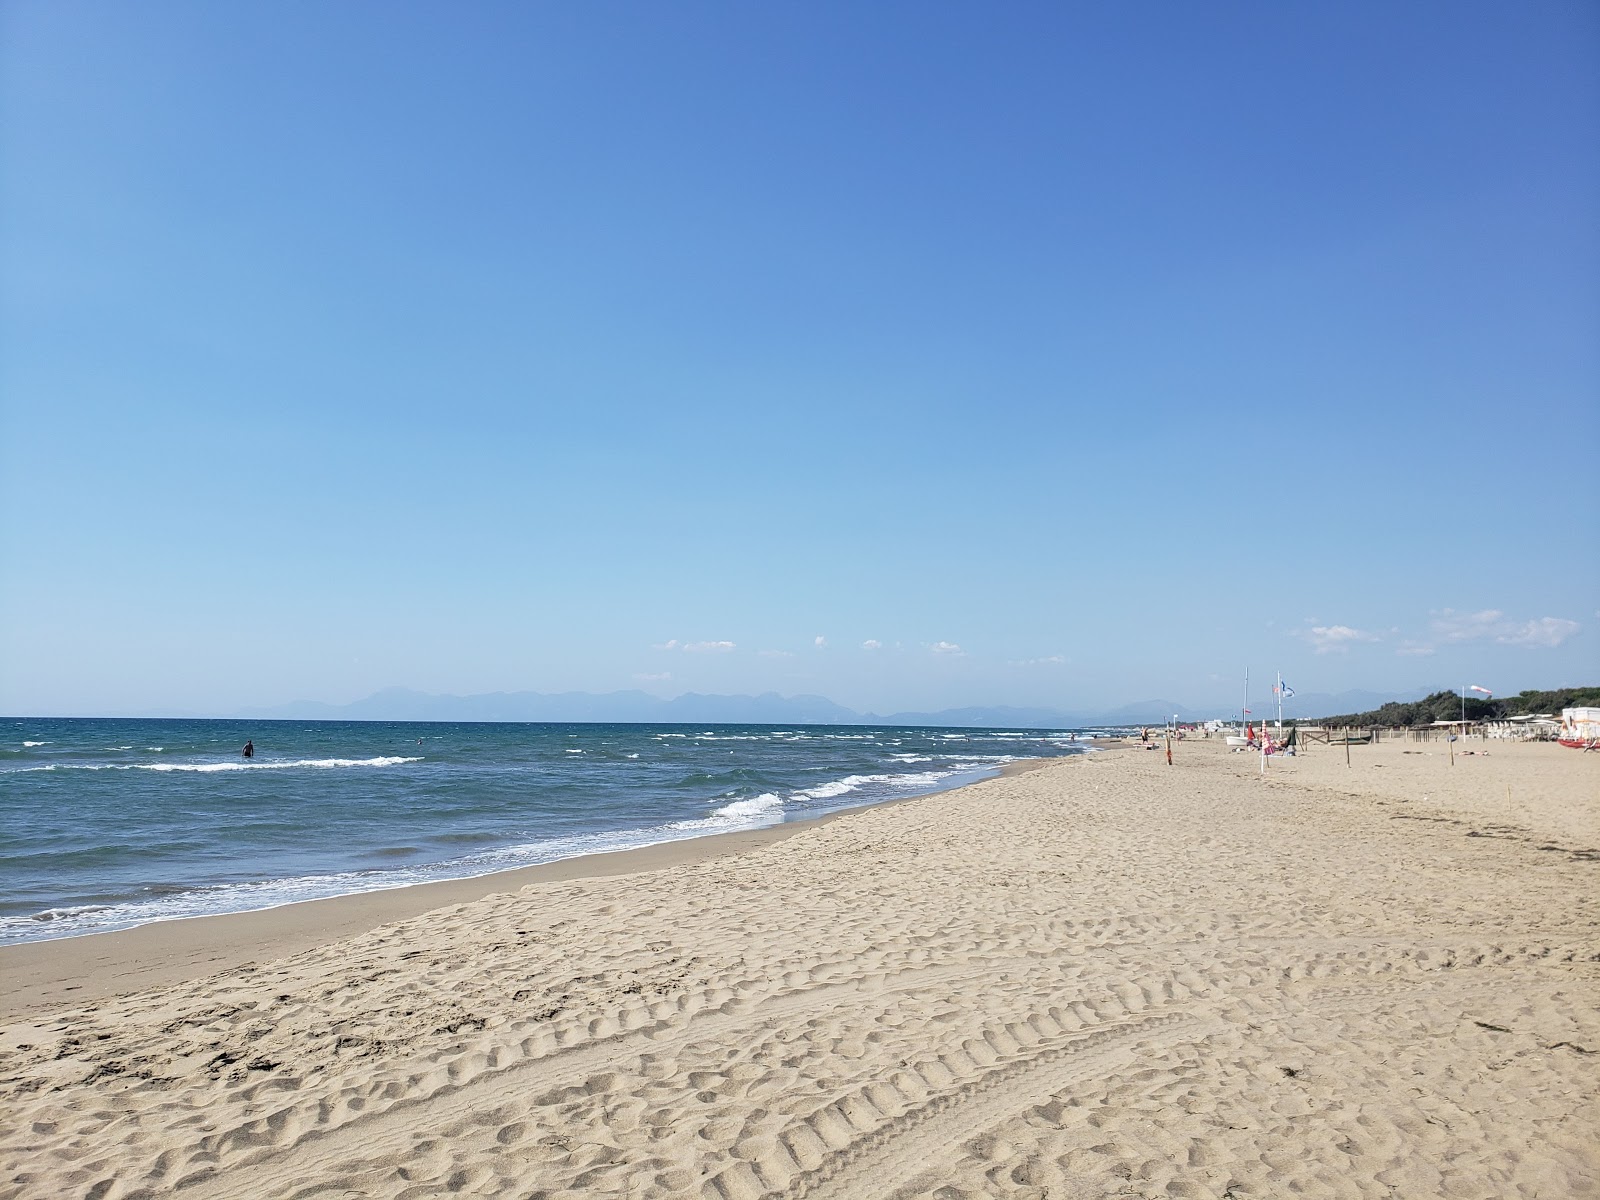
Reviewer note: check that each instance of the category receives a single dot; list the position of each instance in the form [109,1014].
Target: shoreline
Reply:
[91,966]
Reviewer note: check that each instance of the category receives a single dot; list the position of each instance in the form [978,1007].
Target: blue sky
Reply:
[913,355]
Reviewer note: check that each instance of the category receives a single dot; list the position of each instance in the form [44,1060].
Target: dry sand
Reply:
[1103,977]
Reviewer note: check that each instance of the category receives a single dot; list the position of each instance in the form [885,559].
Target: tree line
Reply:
[1446,706]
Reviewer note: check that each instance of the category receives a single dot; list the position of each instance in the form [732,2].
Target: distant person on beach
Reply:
[249,749]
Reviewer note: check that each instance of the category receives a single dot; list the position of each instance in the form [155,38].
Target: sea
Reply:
[108,823]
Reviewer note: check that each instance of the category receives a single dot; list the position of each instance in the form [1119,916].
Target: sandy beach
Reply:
[1102,977]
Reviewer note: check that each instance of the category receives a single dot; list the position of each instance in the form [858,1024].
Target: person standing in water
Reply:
[249,750]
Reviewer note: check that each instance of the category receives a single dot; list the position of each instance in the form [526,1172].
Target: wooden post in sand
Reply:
[1169,748]
[1347,747]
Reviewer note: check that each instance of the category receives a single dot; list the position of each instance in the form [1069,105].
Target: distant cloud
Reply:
[1451,626]
[776,653]
[1546,631]
[946,648]
[1328,639]
[694,647]
[1054,660]
[1416,650]
[1493,625]
[819,641]
[646,677]
[872,644]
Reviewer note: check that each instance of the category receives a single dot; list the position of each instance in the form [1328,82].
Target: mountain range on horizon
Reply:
[768,708]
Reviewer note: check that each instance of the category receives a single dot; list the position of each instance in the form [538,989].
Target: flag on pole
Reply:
[1476,688]
[1287,691]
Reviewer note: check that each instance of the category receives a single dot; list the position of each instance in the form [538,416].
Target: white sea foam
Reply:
[321,763]
[764,805]
[208,768]
[35,743]
[838,787]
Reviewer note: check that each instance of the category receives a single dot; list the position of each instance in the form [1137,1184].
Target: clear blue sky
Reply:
[505,346]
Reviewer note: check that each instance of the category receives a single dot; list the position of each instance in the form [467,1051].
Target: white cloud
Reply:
[1416,650]
[1054,660]
[708,647]
[872,644]
[670,644]
[1326,639]
[1546,631]
[819,641]
[1451,626]
[946,648]
[646,677]
[1491,624]
[775,653]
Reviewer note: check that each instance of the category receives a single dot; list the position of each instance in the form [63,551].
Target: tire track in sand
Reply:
[895,1155]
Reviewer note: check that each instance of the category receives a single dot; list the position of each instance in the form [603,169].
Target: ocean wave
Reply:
[207,768]
[850,783]
[55,914]
[317,763]
[35,743]
[765,805]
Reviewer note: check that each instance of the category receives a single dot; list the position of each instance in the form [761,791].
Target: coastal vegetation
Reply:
[1447,706]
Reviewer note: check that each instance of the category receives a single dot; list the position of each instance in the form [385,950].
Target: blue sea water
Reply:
[106,824]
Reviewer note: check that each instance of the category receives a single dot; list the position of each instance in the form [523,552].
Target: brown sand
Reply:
[1104,977]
